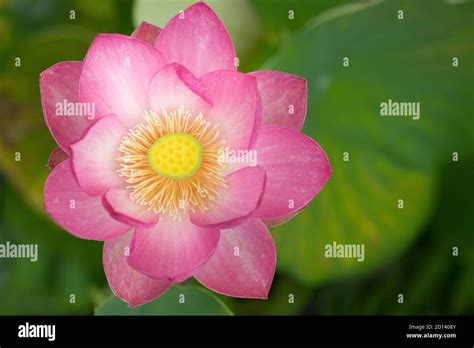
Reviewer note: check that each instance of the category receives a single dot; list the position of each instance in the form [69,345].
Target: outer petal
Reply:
[280,220]
[117,202]
[283,98]
[126,283]
[147,33]
[174,86]
[237,107]
[297,168]
[93,157]
[58,85]
[76,212]
[243,264]
[115,76]
[172,248]
[55,157]
[237,201]
[197,39]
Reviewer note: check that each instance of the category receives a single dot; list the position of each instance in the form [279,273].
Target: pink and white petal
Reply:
[58,87]
[296,166]
[237,107]
[117,202]
[280,220]
[241,197]
[197,39]
[93,157]
[243,264]
[76,212]
[172,248]
[126,283]
[173,86]
[55,157]
[115,76]
[183,278]
[284,98]
[147,33]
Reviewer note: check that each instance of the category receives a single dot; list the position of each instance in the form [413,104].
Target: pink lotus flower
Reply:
[155,158]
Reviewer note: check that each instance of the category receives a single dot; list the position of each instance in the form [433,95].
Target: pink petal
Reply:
[283,98]
[115,76]
[197,39]
[126,283]
[280,220]
[58,85]
[245,189]
[237,107]
[296,167]
[173,86]
[147,33]
[172,248]
[243,264]
[56,157]
[76,212]
[117,202]
[93,157]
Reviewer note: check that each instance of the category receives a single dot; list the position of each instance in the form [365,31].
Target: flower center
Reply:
[175,155]
[171,162]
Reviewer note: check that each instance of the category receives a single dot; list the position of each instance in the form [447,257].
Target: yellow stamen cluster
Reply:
[171,162]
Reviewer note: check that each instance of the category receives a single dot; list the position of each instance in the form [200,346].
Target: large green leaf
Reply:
[65,266]
[23,17]
[433,276]
[25,141]
[279,17]
[286,297]
[178,300]
[391,158]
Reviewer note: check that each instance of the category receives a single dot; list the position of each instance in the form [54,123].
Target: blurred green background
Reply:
[403,56]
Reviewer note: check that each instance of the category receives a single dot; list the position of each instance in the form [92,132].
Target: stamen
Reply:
[154,173]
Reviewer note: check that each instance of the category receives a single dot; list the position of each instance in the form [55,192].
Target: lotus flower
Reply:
[155,134]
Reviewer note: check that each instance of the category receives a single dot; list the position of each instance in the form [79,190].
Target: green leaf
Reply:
[65,266]
[286,297]
[279,19]
[433,276]
[25,143]
[282,16]
[390,158]
[238,16]
[29,16]
[453,226]
[178,300]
